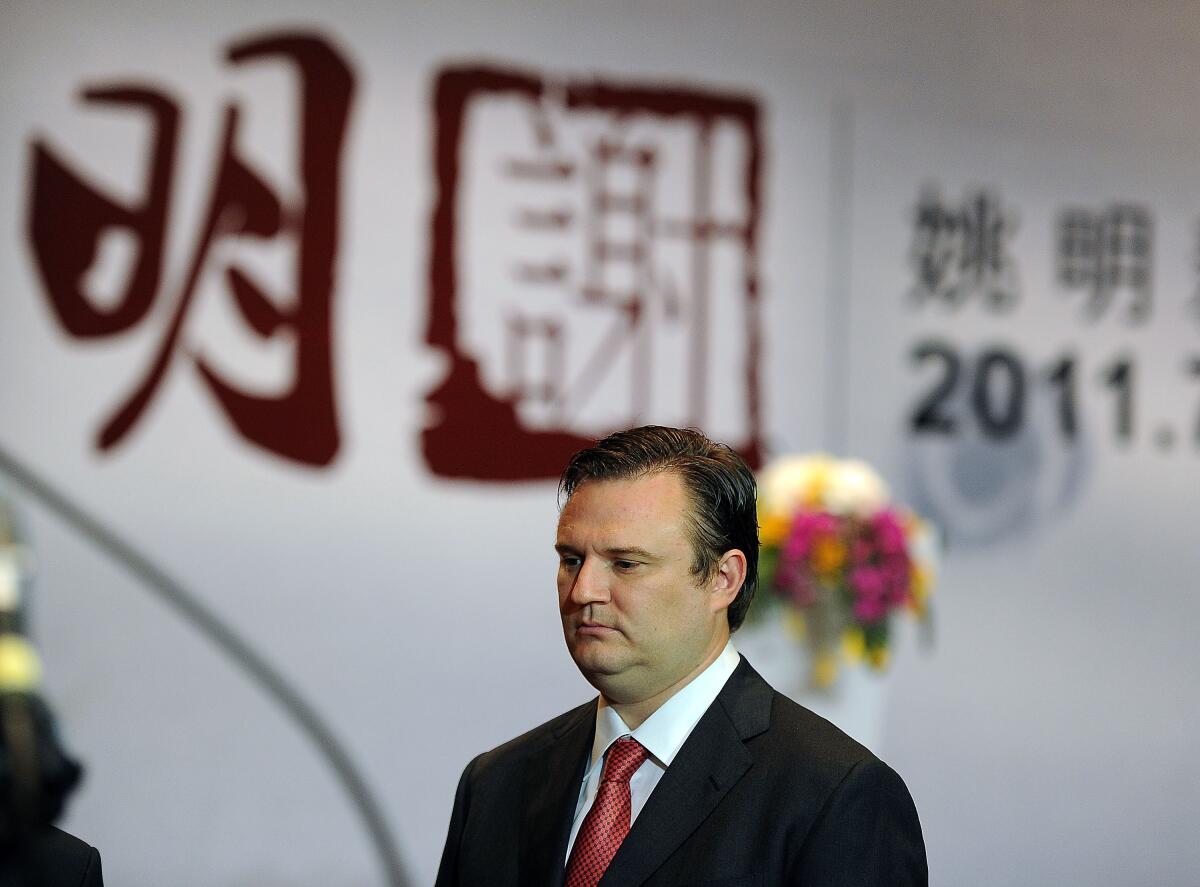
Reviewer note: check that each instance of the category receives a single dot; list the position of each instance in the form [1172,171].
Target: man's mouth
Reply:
[595,629]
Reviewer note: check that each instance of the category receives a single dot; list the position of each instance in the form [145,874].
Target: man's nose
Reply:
[591,583]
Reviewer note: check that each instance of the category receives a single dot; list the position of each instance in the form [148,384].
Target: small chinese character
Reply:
[1106,252]
[960,251]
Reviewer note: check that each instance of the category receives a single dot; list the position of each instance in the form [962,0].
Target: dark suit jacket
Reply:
[51,858]
[763,792]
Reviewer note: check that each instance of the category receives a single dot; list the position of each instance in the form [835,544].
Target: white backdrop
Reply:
[1048,736]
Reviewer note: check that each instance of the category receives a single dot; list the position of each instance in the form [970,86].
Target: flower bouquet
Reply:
[838,558]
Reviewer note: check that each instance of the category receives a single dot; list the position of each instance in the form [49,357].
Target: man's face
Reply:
[636,619]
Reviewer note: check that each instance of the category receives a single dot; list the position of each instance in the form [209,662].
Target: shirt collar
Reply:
[664,732]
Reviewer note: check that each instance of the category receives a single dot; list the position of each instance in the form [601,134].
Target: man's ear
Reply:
[728,579]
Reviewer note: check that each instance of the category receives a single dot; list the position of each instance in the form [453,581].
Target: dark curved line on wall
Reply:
[189,607]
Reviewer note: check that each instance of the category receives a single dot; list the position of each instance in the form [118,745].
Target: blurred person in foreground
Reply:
[50,858]
[36,773]
[689,767]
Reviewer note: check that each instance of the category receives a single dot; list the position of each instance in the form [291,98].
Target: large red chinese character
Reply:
[594,265]
[68,217]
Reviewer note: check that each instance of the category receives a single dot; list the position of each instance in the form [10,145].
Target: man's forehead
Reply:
[656,498]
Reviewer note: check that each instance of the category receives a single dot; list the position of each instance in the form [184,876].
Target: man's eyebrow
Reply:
[618,551]
[630,551]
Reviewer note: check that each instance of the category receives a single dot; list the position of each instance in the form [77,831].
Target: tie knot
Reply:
[624,757]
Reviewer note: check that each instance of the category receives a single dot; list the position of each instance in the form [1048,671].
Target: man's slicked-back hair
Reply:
[719,484]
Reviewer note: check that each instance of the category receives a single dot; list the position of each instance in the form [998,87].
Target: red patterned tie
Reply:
[607,822]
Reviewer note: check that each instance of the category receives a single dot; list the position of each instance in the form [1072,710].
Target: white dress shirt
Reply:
[662,735]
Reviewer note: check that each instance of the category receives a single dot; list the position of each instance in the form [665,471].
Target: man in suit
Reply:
[689,768]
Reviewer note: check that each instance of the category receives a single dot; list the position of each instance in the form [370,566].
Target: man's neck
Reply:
[634,714]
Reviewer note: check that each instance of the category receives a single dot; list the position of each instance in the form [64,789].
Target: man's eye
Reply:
[569,562]
[625,566]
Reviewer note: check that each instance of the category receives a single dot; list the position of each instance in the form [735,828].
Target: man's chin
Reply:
[618,686]
[596,661]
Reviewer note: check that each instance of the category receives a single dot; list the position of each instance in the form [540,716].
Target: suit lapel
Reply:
[549,794]
[708,765]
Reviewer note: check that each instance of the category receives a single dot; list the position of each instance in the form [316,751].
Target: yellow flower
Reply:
[20,670]
[795,624]
[853,644]
[921,583]
[773,528]
[878,658]
[824,670]
[828,555]
[813,493]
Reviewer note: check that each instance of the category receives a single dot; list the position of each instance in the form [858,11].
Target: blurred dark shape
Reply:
[36,774]
[50,858]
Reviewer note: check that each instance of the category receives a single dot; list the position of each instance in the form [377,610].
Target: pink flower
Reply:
[897,574]
[795,573]
[803,591]
[889,535]
[866,582]
[861,551]
[807,526]
[869,609]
